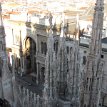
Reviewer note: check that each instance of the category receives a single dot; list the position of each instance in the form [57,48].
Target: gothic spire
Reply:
[6,74]
[74,72]
[77,28]
[62,26]
[14,85]
[62,63]
[2,35]
[93,70]
[49,87]
[97,25]
[62,34]
[21,53]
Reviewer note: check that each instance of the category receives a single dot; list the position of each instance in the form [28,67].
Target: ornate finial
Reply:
[99,5]
[50,20]
[62,26]
[1,22]
[77,27]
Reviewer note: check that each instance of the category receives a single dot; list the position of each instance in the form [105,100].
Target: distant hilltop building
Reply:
[50,62]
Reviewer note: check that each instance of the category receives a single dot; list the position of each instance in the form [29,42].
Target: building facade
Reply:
[53,67]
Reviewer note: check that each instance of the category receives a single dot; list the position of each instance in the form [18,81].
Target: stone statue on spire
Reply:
[1,22]
[50,20]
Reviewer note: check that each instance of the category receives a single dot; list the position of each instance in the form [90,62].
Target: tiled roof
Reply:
[5,16]
[12,12]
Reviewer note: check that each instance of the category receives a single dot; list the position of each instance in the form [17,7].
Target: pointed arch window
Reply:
[1,46]
[84,105]
[87,80]
[102,56]
[43,48]
[67,49]
[84,60]
[56,46]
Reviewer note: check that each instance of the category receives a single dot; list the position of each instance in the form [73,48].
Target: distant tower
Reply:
[62,64]
[6,77]
[49,93]
[90,96]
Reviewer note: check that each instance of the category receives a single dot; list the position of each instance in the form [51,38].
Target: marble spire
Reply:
[62,63]
[74,72]
[6,77]
[1,60]
[2,34]
[93,71]
[49,85]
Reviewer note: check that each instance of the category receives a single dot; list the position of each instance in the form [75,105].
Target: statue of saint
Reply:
[50,20]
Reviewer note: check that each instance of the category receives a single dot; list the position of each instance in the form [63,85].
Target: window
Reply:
[90,80]
[43,48]
[67,65]
[84,60]
[1,46]
[85,51]
[56,47]
[87,80]
[102,56]
[42,74]
[67,49]
[70,48]
[84,105]
[89,88]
